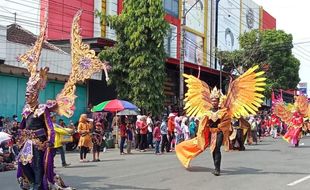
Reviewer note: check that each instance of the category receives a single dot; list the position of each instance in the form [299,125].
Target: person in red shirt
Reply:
[157,136]
[171,127]
[143,133]
[123,135]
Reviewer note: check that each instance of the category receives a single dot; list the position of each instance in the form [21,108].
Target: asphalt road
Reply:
[271,165]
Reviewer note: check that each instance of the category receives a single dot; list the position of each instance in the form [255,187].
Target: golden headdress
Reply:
[38,78]
[215,93]
[84,64]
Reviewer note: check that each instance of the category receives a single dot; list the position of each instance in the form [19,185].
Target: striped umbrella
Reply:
[114,106]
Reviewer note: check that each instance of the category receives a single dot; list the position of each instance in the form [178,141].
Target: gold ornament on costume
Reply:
[84,64]
[37,79]
[215,93]
[243,98]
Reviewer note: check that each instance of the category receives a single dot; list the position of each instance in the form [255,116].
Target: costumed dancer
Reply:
[37,135]
[237,137]
[293,117]
[216,111]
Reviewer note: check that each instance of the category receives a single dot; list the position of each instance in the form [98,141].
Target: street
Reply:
[273,164]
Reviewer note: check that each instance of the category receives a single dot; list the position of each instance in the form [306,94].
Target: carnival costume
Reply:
[241,128]
[243,98]
[293,116]
[37,135]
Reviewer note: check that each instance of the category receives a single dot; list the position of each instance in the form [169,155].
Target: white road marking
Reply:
[299,181]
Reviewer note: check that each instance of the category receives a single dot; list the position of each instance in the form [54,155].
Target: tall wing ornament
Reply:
[84,64]
[31,57]
[244,95]
[197,97]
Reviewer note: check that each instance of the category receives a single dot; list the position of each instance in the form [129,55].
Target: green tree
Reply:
[272,50]
[138,57]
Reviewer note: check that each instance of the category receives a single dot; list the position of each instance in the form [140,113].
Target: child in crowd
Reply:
[157,136]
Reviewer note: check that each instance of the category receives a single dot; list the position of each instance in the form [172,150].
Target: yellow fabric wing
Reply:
[84,64]
[245,93]
[197,97]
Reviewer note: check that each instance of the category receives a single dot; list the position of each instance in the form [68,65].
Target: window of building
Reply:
[171,42]
[172,7]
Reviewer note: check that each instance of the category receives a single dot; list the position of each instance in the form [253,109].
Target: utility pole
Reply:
[216,40]
[15,15]
[182,45]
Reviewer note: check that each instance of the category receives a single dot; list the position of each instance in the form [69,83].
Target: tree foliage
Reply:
[272,50]
[137,59]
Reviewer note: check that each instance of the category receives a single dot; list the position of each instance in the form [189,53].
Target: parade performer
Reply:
[239,134]
[37,134]
[216,111]
[293,116]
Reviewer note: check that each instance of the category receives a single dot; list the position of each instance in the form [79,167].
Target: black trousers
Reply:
[165,143]
[143,142]
[137,141]
[150,140]
[217,156]
[83,152]
[34,172]
[239,139]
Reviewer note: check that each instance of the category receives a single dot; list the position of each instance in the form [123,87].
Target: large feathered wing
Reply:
[283,111]
[244,95]
[84,64]
[301,103]
[197,97]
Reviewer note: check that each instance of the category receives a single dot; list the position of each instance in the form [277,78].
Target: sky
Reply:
[292,17]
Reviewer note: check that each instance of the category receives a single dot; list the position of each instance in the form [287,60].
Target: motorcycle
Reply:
[74,144]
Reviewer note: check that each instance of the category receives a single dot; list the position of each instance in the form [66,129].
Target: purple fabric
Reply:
[48,161]
[48,168]
[19,170]
[50,126]
[48,157]
[22,124]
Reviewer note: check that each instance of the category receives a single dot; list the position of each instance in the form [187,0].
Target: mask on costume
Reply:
[35,83]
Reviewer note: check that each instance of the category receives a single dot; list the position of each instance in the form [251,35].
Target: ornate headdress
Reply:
[84,64]
[215,93]
[37,79]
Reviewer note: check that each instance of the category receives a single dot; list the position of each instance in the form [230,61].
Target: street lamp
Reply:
[182,40]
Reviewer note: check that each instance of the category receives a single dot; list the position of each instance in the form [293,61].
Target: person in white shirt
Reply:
[150,126]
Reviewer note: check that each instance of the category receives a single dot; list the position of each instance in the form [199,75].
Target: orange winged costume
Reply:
[243,98]
[293,116]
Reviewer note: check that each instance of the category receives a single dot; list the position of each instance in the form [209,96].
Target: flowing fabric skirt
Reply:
[292,135]
[188,150]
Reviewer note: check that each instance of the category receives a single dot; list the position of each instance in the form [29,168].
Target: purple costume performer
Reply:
[37,135]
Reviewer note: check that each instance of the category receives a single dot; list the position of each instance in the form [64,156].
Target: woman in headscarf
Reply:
[85,142]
